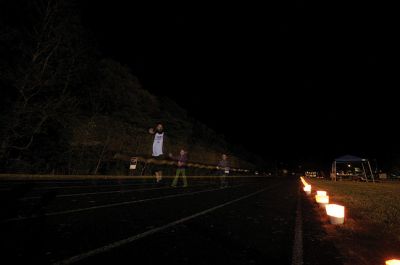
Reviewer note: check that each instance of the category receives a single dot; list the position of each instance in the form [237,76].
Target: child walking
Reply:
[181,169]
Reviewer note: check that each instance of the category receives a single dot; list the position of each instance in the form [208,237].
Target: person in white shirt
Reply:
[158,149]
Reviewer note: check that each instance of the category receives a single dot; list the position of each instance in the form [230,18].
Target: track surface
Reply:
[119,222]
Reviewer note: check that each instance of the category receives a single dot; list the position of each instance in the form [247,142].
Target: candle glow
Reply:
[393,262]
[322,199]
[335,210]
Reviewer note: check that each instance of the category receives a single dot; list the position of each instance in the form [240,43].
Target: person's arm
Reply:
[172,156]
[152,131]
[166,144]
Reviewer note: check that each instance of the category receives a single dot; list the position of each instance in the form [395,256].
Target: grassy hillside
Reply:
[67,109]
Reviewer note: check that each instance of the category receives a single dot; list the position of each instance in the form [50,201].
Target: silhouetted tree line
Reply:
[65,109]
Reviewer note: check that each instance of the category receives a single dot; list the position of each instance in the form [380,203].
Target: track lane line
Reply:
[297,255]
[131,239]
[113,205]
[106,192]
[77,187]
[91,186]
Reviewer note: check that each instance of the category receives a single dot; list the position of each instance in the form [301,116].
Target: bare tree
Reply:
[41,78]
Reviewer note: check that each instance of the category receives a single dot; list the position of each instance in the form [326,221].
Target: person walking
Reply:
[181,168]
[224,168]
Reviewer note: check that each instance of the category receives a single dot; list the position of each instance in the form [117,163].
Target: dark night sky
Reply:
[299,80]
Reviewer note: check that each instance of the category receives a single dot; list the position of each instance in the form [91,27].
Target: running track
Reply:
[253,221]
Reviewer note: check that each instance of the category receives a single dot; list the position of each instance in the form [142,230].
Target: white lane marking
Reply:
[105,192]
[128,240]
[91,185]
[297,255]
[51,182]
[114,204]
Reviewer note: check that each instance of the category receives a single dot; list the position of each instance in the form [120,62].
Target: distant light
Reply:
[322,199]
[393,262]
[303,181]
[321,192]
[348,165]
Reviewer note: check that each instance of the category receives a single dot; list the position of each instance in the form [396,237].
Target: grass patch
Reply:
[372,227]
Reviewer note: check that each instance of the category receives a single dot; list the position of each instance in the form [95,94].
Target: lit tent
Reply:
[352,167]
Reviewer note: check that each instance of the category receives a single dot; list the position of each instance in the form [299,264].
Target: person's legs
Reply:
[175,181]
[159,176]
[155,170]
[158,168]
[185,184]
[222,180]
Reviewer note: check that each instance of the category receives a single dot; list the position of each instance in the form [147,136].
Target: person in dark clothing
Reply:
[181,169]
[224,168]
